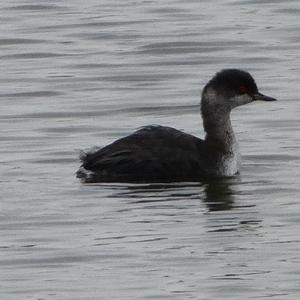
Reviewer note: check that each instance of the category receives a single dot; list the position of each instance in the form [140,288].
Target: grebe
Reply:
[164,154]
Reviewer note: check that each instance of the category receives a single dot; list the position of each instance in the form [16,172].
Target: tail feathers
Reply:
[85,175]
[86,157]
[82,156]
[103,166]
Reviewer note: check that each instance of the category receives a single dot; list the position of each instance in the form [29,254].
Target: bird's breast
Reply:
[229,163]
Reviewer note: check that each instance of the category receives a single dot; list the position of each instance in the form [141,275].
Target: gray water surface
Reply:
[76,74]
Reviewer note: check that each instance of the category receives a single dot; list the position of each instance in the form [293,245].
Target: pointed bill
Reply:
[262,97]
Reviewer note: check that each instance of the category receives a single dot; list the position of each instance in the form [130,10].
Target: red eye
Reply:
[243,89]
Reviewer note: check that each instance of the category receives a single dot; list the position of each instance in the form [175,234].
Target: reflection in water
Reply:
[217,194]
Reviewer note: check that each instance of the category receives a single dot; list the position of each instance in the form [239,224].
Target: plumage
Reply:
[164,154]
[136,159]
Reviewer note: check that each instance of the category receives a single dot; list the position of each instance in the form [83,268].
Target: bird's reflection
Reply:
[217,194]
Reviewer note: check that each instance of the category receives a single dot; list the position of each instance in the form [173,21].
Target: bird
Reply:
[161,154]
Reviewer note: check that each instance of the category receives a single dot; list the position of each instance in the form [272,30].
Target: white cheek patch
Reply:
[213,100]
[241,100]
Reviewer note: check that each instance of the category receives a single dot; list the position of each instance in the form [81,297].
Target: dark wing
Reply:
[151,154]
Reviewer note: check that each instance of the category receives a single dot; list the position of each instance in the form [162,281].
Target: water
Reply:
[80,73]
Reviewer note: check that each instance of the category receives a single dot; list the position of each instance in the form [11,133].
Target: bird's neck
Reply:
[219,132]
[217,123]
[220,140]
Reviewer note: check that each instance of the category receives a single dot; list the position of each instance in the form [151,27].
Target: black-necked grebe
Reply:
[164,154]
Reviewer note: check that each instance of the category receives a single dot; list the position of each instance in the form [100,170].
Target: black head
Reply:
[231,82]
[237,85]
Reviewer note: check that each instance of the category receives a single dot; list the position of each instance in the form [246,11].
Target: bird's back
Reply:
[151,154]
